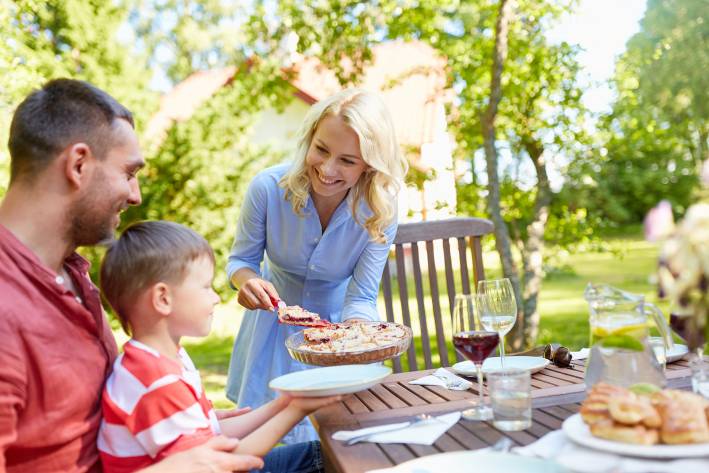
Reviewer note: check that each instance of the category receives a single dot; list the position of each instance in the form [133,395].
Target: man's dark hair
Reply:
[147,253]
[62,112]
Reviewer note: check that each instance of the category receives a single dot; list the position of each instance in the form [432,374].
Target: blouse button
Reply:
[59,280]
[315,240]
[312,267]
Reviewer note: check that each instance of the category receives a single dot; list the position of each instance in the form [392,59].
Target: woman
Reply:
[325,223]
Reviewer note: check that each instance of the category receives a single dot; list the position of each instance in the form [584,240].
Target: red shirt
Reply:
[55,354]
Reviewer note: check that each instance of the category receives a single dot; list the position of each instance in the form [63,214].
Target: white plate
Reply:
[465,462]
[531,363]
[575,428]
[329,381]
[677,353]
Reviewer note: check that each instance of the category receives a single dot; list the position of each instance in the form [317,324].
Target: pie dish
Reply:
[349,343]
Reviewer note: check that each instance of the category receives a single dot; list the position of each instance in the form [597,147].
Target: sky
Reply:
[601,28]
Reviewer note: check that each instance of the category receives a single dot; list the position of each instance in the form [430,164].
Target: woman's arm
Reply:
[363,288]
[245,424]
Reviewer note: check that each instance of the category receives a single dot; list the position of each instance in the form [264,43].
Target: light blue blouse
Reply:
[335,274]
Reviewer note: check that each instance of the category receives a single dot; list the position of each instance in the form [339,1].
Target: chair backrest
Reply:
[442,239]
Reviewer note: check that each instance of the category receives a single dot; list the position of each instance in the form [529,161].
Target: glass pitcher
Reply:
[620,323]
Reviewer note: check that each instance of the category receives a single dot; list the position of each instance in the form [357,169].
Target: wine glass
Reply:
[499,308]
[475,343]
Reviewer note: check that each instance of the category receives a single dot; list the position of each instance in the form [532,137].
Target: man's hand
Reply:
[307,405]
[223,414]
[213,456]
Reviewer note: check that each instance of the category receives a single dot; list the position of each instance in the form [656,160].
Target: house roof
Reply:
[409,76]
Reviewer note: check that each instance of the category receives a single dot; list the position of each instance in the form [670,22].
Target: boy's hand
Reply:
[256,293]
[307,405]
[229,413]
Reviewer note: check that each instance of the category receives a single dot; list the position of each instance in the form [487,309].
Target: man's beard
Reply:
[92,217]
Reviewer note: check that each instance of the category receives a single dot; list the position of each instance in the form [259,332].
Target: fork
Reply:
[420,418]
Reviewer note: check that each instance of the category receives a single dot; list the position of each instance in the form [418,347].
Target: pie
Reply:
[349,343]
[296,315]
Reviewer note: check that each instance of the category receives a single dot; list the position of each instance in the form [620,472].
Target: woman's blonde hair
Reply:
[367,115]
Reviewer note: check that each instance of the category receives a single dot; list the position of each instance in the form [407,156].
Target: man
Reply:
[74,158]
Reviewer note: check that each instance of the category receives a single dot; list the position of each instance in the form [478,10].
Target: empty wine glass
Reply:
[475,343]
[499,308]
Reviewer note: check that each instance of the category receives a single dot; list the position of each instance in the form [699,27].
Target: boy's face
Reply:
[193,301]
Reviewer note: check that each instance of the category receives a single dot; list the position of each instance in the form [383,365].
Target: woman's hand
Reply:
[256,293]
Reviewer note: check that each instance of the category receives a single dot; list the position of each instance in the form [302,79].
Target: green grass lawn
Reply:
[564,313]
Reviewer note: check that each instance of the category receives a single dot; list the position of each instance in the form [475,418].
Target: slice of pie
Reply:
[296,315]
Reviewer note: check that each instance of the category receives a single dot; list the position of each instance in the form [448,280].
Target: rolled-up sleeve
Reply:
[363,288]
[250,239]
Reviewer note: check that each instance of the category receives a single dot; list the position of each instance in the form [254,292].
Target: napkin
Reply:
[582,354]
[557,446]
[444,378]
[423,433]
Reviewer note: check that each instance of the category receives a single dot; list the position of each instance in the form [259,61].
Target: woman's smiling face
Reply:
[334,160]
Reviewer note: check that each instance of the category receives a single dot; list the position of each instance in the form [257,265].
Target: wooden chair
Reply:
[436,236]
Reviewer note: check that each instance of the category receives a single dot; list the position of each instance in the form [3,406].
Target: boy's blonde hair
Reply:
[147,253]
[367,115]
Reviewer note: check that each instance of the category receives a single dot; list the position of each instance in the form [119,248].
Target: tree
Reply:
[654,140]
[68,38]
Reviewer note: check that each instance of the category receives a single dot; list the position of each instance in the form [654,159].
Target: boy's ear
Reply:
[161,298]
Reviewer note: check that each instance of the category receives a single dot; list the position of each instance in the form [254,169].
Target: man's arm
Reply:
[214,456]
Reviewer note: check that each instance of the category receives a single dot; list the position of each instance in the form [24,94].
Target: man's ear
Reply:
[77,162]
[161,298]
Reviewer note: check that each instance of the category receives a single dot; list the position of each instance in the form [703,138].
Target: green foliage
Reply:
[653,141]
[66,38]
[182,36]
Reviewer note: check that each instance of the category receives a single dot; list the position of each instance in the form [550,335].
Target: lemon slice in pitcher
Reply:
[626,342]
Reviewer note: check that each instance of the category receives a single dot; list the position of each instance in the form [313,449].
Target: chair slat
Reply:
[477,250]
[436,303]
[464,277]
[389,306]
[418,283]
[404,299]
[450,281]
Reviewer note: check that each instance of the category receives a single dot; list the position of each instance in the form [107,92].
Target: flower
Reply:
[659,222]
[684,265]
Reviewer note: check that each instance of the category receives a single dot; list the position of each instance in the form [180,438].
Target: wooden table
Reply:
[556,394]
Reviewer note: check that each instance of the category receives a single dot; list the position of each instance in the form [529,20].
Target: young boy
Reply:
[158,279]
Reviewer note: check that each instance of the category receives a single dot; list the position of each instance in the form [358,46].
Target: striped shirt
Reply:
[153,406]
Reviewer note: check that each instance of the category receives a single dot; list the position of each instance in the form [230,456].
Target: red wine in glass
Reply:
[476,345]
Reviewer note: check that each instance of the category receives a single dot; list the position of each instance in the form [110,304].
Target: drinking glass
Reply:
[685,325]
[475,343]
[499,308]
[511,395]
